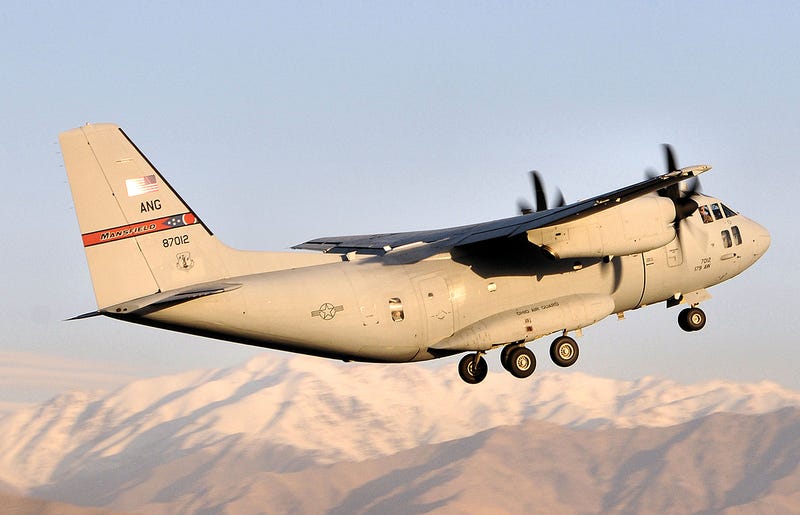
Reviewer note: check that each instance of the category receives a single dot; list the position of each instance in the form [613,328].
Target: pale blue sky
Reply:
[282,122]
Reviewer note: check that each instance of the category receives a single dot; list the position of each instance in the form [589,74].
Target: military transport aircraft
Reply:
[408,296]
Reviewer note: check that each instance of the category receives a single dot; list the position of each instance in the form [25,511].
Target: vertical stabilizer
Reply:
[140,237]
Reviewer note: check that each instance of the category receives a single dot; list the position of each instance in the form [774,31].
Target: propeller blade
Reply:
[692,186]
[684,207]
[538,190]
[560,199]
[680,193]
[669,155]
[674,191]
[540,197]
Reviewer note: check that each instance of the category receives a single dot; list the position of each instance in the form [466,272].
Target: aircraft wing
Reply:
[427,243]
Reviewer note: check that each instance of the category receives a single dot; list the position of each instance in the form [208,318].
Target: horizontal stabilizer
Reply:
[170,297]
[86,315]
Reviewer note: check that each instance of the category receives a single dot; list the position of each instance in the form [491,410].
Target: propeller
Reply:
[525,207]
[680,193]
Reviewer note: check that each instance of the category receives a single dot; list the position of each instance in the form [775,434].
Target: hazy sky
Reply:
[282,122]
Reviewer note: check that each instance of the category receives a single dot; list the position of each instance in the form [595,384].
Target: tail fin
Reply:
[140,237]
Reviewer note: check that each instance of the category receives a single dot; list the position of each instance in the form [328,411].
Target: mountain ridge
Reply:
[721,463]
[302,412]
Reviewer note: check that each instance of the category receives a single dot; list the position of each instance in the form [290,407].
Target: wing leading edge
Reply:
[427,243]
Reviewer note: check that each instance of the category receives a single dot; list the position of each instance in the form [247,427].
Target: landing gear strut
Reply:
[692,319]
[564,351]
[473,368]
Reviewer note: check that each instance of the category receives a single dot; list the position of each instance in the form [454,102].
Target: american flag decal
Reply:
[141,185]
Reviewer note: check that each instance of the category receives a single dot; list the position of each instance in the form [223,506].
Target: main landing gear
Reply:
[473,368]
[518,360]
[692,319]
[564,351]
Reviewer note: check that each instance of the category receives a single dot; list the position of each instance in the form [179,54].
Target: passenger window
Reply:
[717,211]
[726,239]
[705,214]
[737,236]
[728,211]
[396,309]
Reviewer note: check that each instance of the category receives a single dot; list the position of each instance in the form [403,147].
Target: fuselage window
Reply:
[726,239]
[705,214]
[717,211]
[737,236]
[728,211]
[396,309]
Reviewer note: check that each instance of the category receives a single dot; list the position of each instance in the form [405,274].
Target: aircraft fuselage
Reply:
[404,296]
[365,310]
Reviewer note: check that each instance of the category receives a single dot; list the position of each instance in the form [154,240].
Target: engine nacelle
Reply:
[633,227]
[531,321]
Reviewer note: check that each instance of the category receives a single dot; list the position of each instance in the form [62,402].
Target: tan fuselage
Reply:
[349,309]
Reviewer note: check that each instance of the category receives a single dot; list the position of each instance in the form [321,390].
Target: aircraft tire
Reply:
[471,373]
[692,319]
[504,353]
[682,322]
[564,351]
[521,362]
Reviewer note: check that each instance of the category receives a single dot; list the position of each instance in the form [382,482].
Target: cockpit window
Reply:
[728,211]
[737,236]
[396,308]
[705,214]
[726,239]
[717,211]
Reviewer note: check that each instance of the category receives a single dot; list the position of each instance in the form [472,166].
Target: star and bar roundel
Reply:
[138,229]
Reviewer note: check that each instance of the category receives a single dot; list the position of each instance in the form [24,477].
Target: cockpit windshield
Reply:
[728,211]
[712,212]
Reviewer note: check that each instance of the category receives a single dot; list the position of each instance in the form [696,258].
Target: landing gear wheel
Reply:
[564,351]
[692,319]
[521,362]
[504,353]
[472,372]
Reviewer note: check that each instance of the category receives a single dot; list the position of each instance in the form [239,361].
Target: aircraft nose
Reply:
[762,239]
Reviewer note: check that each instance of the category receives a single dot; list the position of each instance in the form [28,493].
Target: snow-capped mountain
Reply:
[294,412]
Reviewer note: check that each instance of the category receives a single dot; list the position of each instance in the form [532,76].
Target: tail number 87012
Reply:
[174,241]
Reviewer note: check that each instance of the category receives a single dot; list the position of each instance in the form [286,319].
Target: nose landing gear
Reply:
[692,319]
